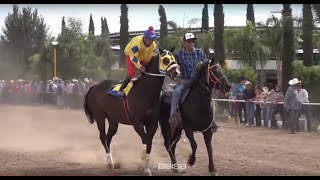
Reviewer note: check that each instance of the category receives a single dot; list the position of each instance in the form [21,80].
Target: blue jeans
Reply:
[250,112]
[293,120]
[176,95]
[266,114]
[306,110]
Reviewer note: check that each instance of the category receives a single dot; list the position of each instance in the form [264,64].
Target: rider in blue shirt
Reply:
[188,59]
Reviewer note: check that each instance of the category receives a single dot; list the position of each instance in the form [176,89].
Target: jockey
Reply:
[138,52]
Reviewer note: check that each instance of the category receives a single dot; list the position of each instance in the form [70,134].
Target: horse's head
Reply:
[166,65]
[216,78]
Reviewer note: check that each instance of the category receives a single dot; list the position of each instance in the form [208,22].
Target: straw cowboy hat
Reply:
[247,83]
[294,81]
[86,80]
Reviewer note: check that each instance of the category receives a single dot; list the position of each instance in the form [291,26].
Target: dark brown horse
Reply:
[196,113]
[141,102]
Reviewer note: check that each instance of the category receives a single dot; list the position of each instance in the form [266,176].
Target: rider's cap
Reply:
[150,34]
[188,36]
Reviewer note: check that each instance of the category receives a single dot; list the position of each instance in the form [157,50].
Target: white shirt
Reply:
[70,87]
[302,96]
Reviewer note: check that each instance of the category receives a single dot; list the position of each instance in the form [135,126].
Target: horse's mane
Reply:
[201,66]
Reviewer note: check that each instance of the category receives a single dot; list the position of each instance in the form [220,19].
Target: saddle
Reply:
[167,95]
[113,91]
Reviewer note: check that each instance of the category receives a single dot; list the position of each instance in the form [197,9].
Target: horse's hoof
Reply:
[214,173]
[147,172]
[111,166]
[191,160]
[175,170]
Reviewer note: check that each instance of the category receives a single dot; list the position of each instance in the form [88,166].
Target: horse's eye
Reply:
[166,61]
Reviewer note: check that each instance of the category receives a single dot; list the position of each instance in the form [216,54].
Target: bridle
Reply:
[162,73]
[210,77]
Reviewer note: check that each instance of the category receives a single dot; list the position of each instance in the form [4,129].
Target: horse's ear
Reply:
[172,49]
[161,51]
[212,61]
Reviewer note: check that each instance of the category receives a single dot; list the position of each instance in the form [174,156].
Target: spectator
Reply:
[266,112]
[260,105]
[238,91]
[303,97]
[291,104]
[249,96]
[60,95]
[277,108]
[1,90]
[233,105]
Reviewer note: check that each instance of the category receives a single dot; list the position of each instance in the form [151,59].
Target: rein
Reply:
[209,79]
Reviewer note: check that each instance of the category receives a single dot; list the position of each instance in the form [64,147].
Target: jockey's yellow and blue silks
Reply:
[139,52]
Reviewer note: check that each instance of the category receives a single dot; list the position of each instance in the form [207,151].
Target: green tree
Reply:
[205,18]
[288,45]
[91,25]
[124,32]
[174,39]
[250,14]
[316,9]
[107,27]
[205,41]
[103,27]
[271,35]
[219,50]
[307,28]
[24,34]
[163,24]
[63,25]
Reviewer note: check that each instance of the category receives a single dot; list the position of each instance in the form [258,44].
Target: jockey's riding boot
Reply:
[123,85]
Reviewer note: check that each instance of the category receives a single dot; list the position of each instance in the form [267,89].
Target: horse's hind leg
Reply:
[106,139]
[207,135]
[189,134]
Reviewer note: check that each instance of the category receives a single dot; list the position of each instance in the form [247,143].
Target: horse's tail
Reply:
[86,107]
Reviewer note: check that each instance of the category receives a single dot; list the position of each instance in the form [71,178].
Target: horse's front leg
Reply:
[193,143]
[207,135]
[145,157]
[151,129]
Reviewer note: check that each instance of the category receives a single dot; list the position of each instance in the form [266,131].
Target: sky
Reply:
[141,16]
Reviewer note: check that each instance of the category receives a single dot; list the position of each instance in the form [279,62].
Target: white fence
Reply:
[268,102]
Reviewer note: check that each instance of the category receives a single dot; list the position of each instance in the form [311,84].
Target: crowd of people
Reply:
[63,93]
[263,103]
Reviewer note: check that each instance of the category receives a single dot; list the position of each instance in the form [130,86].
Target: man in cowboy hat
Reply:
[291,104]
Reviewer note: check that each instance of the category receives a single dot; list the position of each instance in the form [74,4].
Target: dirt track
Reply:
[46,141]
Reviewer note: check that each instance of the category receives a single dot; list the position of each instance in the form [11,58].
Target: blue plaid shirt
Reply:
[189,61]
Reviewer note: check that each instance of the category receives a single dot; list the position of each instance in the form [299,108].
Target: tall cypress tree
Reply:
[106,25]
[63,25]
[307,28]
[205,19]
[288,45]
[124,32]
[250,14]
[91,25]
[103,27]
[163,25]
[219,51]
